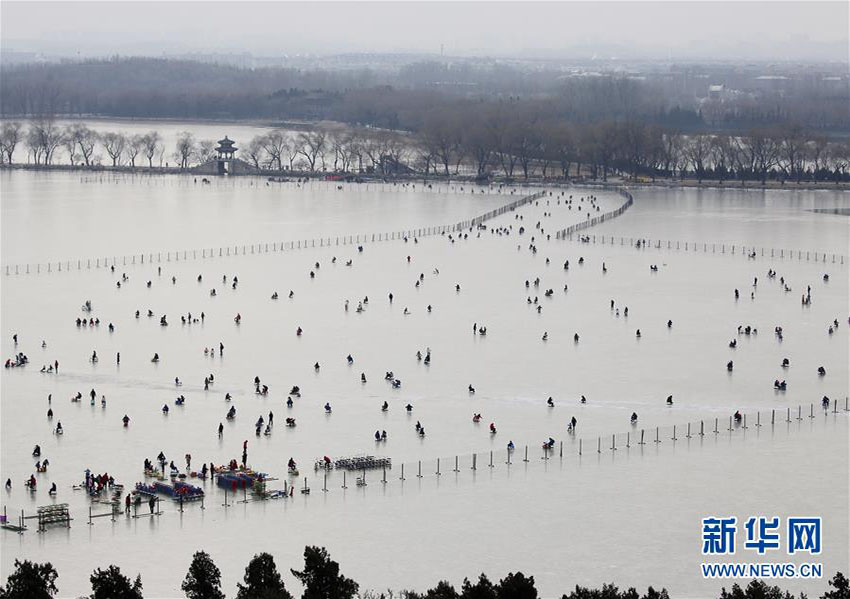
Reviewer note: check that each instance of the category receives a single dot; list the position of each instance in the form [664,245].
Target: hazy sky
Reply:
[726,30]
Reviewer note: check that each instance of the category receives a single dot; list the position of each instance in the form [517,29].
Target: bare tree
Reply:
[10,136]
[135,144]
[425,157]
[765,151]
[839,159]
[817,153]
[374,145]
[744,157]
[348,150]
[51,138]
[698,152]
[205,150]
[150,145]
[185,149]
[563,147]
[634,146]
[33,142]
[722,156]
[276,144]
[355,148]
[396,147]
[70,146]
[546,152]
[114,144]
[294,150]
[526,141]
[604,143]
[82,138]
[654,149]
[792,148]
[441,132]
[43,137]
[501,130]
[313,146]
[479,141]
[254,150]
[672,151]
[341,141]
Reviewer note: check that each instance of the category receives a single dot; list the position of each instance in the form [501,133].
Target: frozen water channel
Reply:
[553,518]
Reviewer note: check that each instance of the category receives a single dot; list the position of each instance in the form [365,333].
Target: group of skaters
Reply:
[264,426]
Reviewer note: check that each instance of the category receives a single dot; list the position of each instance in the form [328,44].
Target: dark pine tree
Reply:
[516,586]
[30,581]
[321,577]
[841,587]
[111,584]
[203,581]
[262,580]
[483,589]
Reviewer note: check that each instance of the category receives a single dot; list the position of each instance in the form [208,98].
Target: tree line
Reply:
[138,87]
[321,579]
[41,139]
[501,141]
[517,143]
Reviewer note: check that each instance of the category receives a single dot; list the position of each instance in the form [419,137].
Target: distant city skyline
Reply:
[773,31]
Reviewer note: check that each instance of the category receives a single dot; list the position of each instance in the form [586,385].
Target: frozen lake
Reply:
[768,218]
[65,215]
[555,518]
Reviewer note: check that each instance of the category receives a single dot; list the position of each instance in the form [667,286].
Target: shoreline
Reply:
[748,186]
[532,182]
[253,122]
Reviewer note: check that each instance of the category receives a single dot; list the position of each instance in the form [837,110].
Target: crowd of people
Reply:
[531,238]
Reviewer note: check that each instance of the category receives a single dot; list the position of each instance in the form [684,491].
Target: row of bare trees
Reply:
[480,143]
[514,144]
[327,149]
[337,149]
[517,144]
[42,138]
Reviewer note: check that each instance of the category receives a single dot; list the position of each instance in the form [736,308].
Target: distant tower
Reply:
[224,155]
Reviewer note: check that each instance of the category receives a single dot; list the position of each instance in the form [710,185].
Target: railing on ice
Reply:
[262,248]
[573,445]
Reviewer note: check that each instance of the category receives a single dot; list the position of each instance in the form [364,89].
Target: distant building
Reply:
[835,84]
[225,161]
[716,92]
[225,149]
[772,83]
